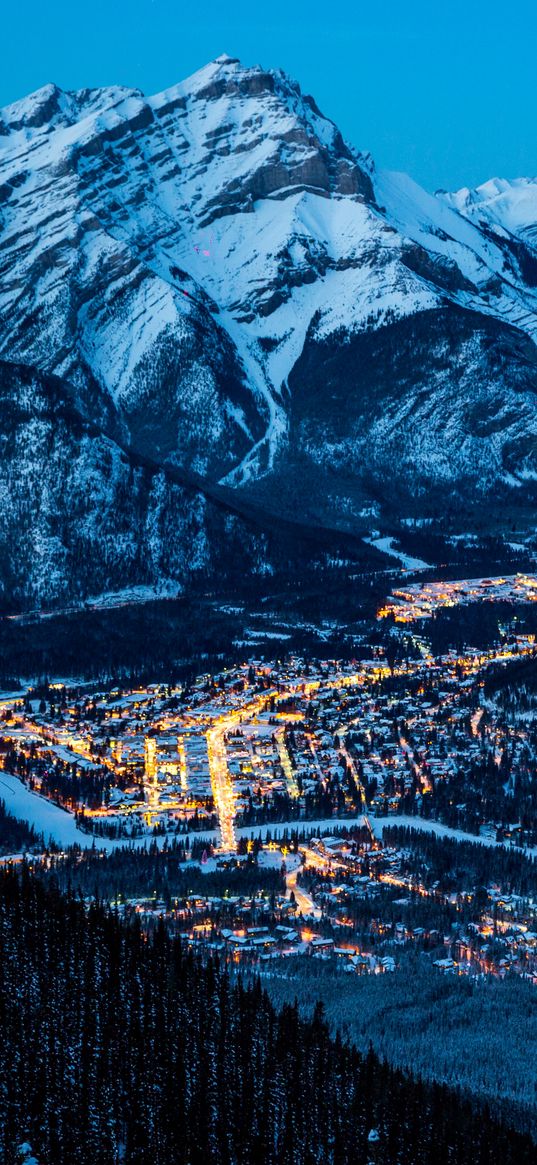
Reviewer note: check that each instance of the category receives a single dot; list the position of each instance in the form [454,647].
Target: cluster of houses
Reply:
[265,742]
[421,600]
[214,925]
[498,937]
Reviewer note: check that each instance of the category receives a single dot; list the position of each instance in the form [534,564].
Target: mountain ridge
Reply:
[228,287]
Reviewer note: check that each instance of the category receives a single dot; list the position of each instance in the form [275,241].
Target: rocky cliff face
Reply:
[226,286]
[79,516]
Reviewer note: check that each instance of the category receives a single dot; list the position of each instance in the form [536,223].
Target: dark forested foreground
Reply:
[115,1048]
[477,1036]
[16,835]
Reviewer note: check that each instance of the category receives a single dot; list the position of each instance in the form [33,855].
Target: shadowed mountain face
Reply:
[80,516]
[222,284]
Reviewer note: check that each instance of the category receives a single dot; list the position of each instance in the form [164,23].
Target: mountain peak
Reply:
[221,283]
[225,59]
[503,204]
[35,110]
[221,67]
[50,108]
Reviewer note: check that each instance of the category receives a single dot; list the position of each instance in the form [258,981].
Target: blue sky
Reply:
[445,91]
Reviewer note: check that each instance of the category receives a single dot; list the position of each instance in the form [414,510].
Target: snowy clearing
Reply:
[59,826]
[54,823]
[436,827]
[387,546]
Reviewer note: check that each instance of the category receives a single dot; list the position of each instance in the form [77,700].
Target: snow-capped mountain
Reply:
[508,209]
[221,283]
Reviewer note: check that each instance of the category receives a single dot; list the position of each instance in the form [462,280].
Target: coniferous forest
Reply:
[119,1048]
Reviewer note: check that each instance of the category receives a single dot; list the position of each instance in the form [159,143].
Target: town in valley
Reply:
[306,804]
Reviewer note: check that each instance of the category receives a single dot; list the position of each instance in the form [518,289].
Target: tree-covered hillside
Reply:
[117,1048]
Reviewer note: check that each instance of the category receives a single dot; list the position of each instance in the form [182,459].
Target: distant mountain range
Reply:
[211,305]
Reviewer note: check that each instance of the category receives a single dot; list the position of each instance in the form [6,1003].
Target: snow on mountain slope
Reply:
[226,284]
[223,215]
[450,226]
[78,516]
[510,205]
[505,213]
[79,302]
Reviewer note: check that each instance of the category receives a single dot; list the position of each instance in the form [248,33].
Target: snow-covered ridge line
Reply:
[225,284]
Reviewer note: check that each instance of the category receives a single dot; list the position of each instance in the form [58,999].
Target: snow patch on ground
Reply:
[54,823]
[387,546]
[436,827]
